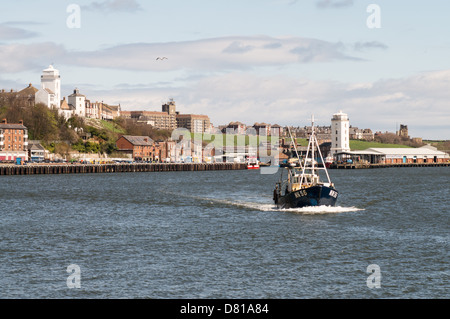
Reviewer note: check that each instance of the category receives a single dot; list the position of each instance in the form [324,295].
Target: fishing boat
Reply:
[252,163]
[300,183]
[252,166]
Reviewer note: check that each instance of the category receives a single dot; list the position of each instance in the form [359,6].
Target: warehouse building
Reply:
[424,154]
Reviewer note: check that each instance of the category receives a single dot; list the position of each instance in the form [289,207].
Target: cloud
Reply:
[12,33]
[23,57]
[214,54]
[362,46]
[419,101]
[334,3]
[114,6]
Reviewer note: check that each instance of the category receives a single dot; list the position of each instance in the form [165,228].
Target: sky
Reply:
[382,62]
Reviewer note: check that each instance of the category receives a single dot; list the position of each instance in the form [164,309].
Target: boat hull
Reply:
[312,196]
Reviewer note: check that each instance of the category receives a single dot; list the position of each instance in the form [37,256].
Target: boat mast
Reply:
[295,146]
[312,146]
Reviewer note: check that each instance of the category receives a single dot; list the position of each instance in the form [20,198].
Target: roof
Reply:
[139,140]
[35,147]
[198,116]
[424,150]
[30,89]
[407,151]
[76,92]
[12,126]
[235,123]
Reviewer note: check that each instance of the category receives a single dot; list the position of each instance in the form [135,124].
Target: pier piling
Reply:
[34,169]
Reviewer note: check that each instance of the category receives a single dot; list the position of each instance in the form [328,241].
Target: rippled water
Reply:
[217,234]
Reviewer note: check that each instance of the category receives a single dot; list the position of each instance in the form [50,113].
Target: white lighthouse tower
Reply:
[340,133]
[51,80]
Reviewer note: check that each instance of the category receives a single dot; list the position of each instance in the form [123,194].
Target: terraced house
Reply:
[13,141]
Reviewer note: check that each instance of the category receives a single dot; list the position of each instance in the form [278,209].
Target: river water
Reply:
[217,234]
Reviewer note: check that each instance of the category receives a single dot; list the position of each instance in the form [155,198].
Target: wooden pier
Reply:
[35,169]
[387,165]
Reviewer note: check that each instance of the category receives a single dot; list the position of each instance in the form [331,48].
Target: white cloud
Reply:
[114,6]
[419,101]
[334,3]
[8,32]
[23,57]
[215,54]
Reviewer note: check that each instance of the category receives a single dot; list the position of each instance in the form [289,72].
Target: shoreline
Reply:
[386,165]
[115,168]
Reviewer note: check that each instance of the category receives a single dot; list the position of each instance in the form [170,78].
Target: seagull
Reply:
[163,58]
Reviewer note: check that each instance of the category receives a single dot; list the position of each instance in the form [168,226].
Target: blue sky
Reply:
[274,61]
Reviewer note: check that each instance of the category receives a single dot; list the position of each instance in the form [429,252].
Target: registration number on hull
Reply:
[333,193]
[300,193]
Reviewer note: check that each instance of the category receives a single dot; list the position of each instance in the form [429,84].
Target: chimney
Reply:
[4,121]
[21,122]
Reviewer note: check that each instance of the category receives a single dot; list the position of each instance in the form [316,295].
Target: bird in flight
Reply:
[163,58]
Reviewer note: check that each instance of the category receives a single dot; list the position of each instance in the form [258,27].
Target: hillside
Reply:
[80,134]
[358,145]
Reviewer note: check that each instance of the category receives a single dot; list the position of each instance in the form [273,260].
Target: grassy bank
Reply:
[357,145]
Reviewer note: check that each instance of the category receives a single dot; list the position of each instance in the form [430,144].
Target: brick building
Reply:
[13,141]
[194,123]
[139,147]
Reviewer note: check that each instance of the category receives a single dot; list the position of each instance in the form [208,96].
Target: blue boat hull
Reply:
[312,196]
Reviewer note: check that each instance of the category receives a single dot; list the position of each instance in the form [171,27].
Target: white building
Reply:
[340,133]
[50,91]
[78,101]
[46,97]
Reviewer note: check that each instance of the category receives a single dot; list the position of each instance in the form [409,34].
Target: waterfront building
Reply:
[262,128]
[137,147]
[27,95]
[13,141]
[194,123]
[340,138]
[235,128]
[78,102]
[36,152]
[66,110]
[361,134]
[424,154]
[50,91]
[24,97]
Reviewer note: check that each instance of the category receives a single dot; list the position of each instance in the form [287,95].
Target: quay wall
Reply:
[386,165]
[115,168]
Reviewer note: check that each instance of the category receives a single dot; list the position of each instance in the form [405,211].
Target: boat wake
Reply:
[265,207]
[312,210]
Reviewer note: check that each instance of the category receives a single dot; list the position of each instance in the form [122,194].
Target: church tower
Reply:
[51,80]
[340,133]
